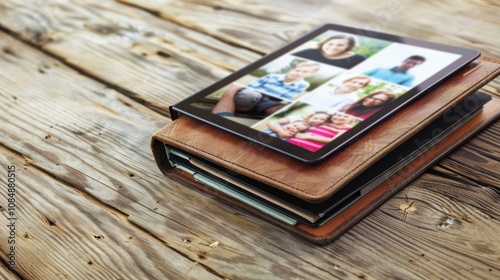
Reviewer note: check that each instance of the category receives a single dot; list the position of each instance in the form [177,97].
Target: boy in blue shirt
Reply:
[398,74]
[287,86]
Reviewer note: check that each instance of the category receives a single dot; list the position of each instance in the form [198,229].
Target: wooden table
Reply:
[84,85]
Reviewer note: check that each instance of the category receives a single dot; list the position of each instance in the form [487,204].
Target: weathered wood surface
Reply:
[97,141]
[61,233]
[6,273]
[262,25]
[80,104]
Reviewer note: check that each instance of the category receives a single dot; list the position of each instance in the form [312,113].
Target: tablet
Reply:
[319,93]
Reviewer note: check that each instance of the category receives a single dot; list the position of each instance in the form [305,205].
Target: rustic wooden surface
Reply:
[84,84]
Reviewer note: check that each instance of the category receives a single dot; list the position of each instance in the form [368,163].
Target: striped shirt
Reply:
[275,85]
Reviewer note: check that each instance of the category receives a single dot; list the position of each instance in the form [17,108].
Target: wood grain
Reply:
[242,22]
[77,115]
[60,234]
[152,61]
[6,273]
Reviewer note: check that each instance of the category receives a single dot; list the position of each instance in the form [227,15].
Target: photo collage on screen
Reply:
[323,88]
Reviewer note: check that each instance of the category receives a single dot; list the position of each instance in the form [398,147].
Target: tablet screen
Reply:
[322,91]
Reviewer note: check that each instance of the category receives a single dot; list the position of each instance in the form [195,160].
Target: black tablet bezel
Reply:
[185,106]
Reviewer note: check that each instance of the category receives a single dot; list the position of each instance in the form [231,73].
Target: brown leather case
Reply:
[317,182]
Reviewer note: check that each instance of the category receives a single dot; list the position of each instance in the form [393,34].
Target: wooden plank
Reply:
[60,234]
[253,25]
[263,26]
[154,62]
[485,149]
[435,211]
[7,273]
[96,141]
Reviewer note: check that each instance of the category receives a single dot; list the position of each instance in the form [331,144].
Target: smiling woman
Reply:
[335,50]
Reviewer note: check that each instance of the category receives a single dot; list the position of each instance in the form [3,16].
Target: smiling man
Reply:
[398,74]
